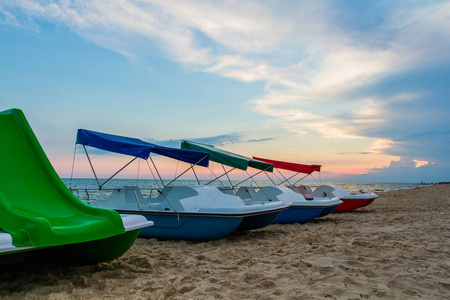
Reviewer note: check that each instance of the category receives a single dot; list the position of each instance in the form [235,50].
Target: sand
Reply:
[397,248]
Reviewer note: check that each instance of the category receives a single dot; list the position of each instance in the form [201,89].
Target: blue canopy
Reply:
[138,148]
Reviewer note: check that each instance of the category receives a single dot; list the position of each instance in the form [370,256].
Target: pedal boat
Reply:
[350,201]
[195,213]
[326,204]
[297,210]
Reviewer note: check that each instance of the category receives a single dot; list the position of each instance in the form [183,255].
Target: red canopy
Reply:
[306,169]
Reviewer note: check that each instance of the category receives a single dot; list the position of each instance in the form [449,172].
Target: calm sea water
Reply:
[148,185]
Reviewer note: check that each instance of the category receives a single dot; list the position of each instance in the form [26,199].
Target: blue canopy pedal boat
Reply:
[38,212]
[186,212]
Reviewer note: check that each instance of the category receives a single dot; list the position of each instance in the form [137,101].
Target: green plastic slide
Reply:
[36,208]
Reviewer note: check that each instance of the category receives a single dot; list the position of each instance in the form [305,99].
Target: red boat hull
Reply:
[352,204]
[349,205]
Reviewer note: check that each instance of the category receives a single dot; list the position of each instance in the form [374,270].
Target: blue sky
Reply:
[360,87]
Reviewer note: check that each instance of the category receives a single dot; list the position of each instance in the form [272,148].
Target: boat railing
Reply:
[88,194]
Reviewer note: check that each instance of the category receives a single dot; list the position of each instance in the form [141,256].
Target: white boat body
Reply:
[6,244]
[335,191]
[195,200]
[285,195]
[130,222]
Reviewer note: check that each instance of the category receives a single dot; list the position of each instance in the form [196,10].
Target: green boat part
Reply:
[227,158]
[36,208]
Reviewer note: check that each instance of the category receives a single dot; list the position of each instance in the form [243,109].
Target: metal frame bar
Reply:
[286,179]
[302,178]
[229,180]
[95,175]
[191,167]
[252,176]
[220,176]
[157,172]
[117,172]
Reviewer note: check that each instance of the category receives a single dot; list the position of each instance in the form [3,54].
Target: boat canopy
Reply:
[137,148]
[300,168]
[227,158]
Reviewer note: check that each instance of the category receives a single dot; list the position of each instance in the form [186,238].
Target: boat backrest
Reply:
[293,188]
[227,190]
[246,192]
[304,190]
[329,191]
[127,197]
[134,193]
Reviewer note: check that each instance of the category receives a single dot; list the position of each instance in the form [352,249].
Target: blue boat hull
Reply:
[189,227]
[327,211]
[299,214]
[258,221]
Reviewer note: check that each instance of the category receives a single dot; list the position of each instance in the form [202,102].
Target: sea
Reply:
[89,188]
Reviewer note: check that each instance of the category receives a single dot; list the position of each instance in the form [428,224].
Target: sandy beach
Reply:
[396,248]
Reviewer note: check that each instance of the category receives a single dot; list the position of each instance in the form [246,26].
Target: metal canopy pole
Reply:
[157,172]
[270,178]
[73,165]
[117,172]
[95,175]
[302,178]
[220,176]
[153,175]
[286,179]
[191,167]
[195,174]
[229,180]
[252,176]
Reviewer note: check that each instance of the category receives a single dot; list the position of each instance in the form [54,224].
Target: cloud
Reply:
[338,70]
[259,140]
[405,170]
[219,140]
[352,153]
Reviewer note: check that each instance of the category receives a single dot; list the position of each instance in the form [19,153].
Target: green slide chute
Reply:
[36,208]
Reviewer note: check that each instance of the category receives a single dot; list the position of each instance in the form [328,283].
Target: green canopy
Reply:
[227,158]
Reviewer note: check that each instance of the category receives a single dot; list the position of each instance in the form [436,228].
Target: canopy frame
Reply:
[251,162]
[203,158]
[292,167]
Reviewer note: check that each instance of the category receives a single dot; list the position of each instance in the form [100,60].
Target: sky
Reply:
[359,87]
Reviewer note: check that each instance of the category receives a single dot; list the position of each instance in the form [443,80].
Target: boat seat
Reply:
[152,200]
[165,190]
[227,190]
[304,190]
[246,192]
[293,188]
[127,197]
[135,194]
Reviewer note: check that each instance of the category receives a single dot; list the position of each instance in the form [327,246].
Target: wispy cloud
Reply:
[219,140]
[322,75]
[352,153]
[259,140]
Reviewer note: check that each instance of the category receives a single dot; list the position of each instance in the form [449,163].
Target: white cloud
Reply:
[308,62]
